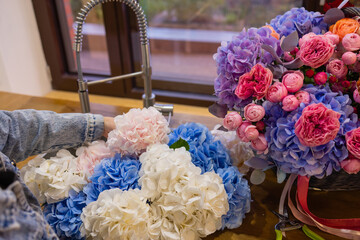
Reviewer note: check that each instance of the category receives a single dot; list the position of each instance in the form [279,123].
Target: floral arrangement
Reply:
[145,182]
[291,90]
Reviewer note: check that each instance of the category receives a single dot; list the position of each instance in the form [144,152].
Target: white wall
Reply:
[23,67]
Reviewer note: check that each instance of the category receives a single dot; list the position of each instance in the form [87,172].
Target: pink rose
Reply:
[351,42]
[260,144]
[232,121]
[251,132]
[317,125]
[260,125]
[335,39]
[276,92]
[337,68]
[254,83]
[351,165]
[288,57]
[303,97]
[349,58]
[356,96]
[293,81]
[240,132]
[320,78]
[290,103]
[254,112]
[315,50]
[353,142]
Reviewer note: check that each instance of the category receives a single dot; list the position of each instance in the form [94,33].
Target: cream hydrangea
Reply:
[138,129]
[116,215]
[55,177]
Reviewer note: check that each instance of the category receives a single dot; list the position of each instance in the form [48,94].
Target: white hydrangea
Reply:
[116,215]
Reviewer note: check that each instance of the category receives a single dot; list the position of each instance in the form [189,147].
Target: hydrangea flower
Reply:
[298,19]
[285,149]
[239,198]
[117,172]
[238,56]
[64,216]
[206,153]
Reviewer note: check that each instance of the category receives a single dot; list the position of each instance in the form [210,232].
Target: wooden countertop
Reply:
[259,223]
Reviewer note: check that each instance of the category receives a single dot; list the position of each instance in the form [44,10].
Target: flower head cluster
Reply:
[298,19]
[138,129]
[64,216]
[287,151]
[206,153]
[237,57]
[117,172]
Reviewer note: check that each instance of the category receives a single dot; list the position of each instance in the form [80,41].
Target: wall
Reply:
[23,67]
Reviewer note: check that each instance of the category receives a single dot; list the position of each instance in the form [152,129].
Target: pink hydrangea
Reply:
[138,129]
[91,155]
[317,125]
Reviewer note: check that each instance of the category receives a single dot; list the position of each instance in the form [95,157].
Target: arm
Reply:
[27,132]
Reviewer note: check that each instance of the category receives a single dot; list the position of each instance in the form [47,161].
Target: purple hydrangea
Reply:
[285,149]
[237,57]
[298,19]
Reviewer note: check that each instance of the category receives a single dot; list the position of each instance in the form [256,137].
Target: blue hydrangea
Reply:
[285,149]
[237,57]
[64,216]
[206,153]
[239,198]
[117,172]
[298,19]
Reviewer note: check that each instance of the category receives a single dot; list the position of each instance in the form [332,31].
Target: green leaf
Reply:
[310,233]
[180,143]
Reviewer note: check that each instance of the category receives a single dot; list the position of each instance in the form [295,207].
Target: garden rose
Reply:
[276,92]
[337,68]
[351,165]
[251,132]
[254,112]
[317,125]
[232,121]
[254,83]
[356,96]
[345,26]
[353,142]
[260,144]
[260,125]
[288,57]
[320,78]
[290,103]
[315,50]
[303,97]
[349,58]
[333,37]
[293,81]
[241,131]
[351,42]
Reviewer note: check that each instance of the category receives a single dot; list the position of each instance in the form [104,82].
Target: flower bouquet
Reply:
[292,91]
[144,182]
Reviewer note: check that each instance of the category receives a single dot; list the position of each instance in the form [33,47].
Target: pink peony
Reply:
[254,83]
[138,129]
[91,155]
[251,132]
[317,125]
[356,96]
[353,142]
[232,121]
[337,68]
[293,81]
[303,97]
[351,42]
[254,112]
[320,78]
[335,39]
[260,144]
[240,132]
[276,92]
[315,50]
[351,165]
[290,103]
[349,58]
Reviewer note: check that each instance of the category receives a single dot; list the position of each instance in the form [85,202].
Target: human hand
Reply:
[109,125]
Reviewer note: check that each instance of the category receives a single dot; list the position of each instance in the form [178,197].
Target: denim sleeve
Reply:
[27,132]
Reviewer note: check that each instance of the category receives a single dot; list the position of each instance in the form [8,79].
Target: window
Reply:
[184,35]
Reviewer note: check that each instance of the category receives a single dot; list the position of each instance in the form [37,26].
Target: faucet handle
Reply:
[165,109]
